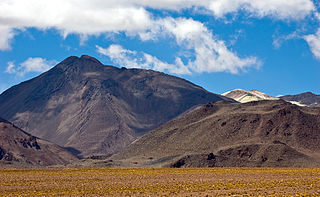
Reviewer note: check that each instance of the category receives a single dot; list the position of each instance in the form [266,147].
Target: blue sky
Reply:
[272,46]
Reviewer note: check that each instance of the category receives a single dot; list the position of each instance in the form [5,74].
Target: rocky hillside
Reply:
[307,98]
[19,147]
[95,109]
[269,133]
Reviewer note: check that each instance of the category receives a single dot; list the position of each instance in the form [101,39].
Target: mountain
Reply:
[268,133]
[17,146]
[307,98]
[244,96]
[95,109]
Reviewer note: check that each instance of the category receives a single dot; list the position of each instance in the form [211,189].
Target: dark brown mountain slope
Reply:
[307,98]
[255,134]
[98,109]
[20,147]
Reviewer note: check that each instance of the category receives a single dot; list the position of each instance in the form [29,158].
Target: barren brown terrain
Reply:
[255,134]
[160,182]
[20,149]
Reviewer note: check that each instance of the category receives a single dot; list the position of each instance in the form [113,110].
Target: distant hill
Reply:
[19,147]
[268,133]
[244,96]
[307,98]
[95,109]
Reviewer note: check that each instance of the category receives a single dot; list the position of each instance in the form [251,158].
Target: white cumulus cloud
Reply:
[11,68]
[314,43]
[279,9]
[134,59]
[210,54]
[81,17]
[93,17]
[36,64]
[6,34]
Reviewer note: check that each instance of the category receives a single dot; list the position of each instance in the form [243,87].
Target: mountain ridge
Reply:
[307,98]
[98,109]
[18,147]
[266,133]
[244,96]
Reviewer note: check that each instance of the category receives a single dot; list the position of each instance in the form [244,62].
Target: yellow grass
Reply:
[160,182]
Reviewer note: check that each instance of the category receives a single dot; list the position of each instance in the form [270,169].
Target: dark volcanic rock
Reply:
[95,109]
[253,155]
[21,147]
[307,98]
[255,134]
